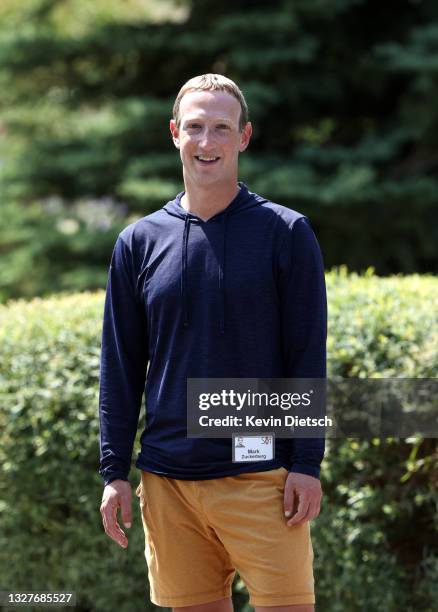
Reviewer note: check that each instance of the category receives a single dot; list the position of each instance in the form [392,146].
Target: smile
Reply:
[206,160]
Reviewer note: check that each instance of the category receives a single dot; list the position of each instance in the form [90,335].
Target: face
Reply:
[208,137]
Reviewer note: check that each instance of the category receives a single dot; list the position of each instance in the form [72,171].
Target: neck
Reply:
[205,202]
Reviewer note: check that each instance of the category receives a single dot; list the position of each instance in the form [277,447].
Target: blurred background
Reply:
[343,97]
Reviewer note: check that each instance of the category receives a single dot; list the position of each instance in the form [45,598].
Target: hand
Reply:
[309,493]
[117,494]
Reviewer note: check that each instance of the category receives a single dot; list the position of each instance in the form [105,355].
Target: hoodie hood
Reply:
[243,200]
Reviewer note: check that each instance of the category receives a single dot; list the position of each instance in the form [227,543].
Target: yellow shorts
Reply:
[198,532]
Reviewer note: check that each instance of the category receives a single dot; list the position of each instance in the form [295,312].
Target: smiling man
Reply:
[219,283]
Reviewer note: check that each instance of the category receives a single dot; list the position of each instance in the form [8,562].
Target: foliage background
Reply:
[341,94]
[342,99]
[375,540]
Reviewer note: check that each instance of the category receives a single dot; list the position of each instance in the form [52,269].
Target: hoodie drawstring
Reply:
[222,274]
[243,201]
[184,271]
[184,296]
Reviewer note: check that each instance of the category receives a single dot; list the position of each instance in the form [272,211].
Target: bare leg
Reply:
[221,605]
[296,608]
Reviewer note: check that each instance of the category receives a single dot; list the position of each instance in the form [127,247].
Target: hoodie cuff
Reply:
[305,468]
[115,476]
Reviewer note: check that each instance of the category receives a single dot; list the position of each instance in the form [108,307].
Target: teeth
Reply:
[203,158]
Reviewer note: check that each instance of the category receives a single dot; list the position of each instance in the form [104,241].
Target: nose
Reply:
[206,139]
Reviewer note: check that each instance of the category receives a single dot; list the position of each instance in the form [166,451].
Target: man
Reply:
[218,283]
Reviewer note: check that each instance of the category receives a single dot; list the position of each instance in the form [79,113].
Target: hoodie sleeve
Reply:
[123,364]
[304,326]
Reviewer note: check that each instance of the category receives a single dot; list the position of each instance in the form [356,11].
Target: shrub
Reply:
[373,541]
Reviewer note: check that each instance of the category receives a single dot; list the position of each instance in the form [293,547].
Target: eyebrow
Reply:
[191,119]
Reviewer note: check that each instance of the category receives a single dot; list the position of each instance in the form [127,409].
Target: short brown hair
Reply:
[212,82]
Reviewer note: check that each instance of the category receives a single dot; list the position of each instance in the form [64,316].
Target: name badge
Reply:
[250,447]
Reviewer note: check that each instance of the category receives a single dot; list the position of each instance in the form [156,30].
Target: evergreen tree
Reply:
[341,95]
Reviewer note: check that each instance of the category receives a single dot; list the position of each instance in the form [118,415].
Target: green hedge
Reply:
[373,540]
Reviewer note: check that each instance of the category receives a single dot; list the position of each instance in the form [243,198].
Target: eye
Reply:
[193,126]
[222,126]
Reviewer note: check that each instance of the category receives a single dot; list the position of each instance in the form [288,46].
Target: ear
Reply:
[175,133]
[245,136]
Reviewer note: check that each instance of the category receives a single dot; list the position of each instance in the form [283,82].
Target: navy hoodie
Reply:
[241,295]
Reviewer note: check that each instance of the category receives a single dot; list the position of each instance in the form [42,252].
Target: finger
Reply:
[119,534]
[303,506]
[112,528]
[126,510]
[288,499]
[103,519]
[315,510]
[311,513]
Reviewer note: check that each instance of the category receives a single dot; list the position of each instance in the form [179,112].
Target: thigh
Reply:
[187,563]
[274,560]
